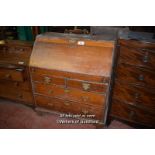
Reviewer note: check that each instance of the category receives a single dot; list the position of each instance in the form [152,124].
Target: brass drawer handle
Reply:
[85,98]
[67,103]
[141,77]
[47,80]
[86,86]
[85,112]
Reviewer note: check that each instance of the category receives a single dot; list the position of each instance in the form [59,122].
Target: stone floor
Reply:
[18,116]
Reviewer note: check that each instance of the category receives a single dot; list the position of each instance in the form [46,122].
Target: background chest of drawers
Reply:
[134,90]
[72,74]
[14,71]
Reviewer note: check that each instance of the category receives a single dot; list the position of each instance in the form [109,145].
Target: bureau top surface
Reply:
[65,55]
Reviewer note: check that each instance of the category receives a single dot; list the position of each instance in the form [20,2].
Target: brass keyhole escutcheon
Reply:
[85,98]
[85,86]
[66,90]
[50,91]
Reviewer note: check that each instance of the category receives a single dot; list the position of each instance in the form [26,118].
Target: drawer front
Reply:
[12,74]
[130,113]
[69,75]
[136,75]
[15,54]
[70,94]
[136,95]
[17,95]
[4,84]
[87,86]
[137,44]
[48,79]
[66,106]
[138,57]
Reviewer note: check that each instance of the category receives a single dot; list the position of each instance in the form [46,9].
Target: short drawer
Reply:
[70,94]
[67,106]
[48,79]
[136,95]
[17,74]
[87,86]
[132,114]
[138,57]
[136,75]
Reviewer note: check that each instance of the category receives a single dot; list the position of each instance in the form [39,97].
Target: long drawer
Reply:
[70,83]
[17,74]
[18,54]
[66,106]
[136,95]
[70,94]
[138,57]
[136,75]
[4,84]
[16,94]
[130,113]
[70,75]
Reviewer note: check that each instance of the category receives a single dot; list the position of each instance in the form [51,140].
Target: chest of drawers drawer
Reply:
[70,94]
[138,57]
[135,75]
[15,74]
[4,84]
[136,95]
[130,113]
[67,106]
[16,94]
[15,54]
